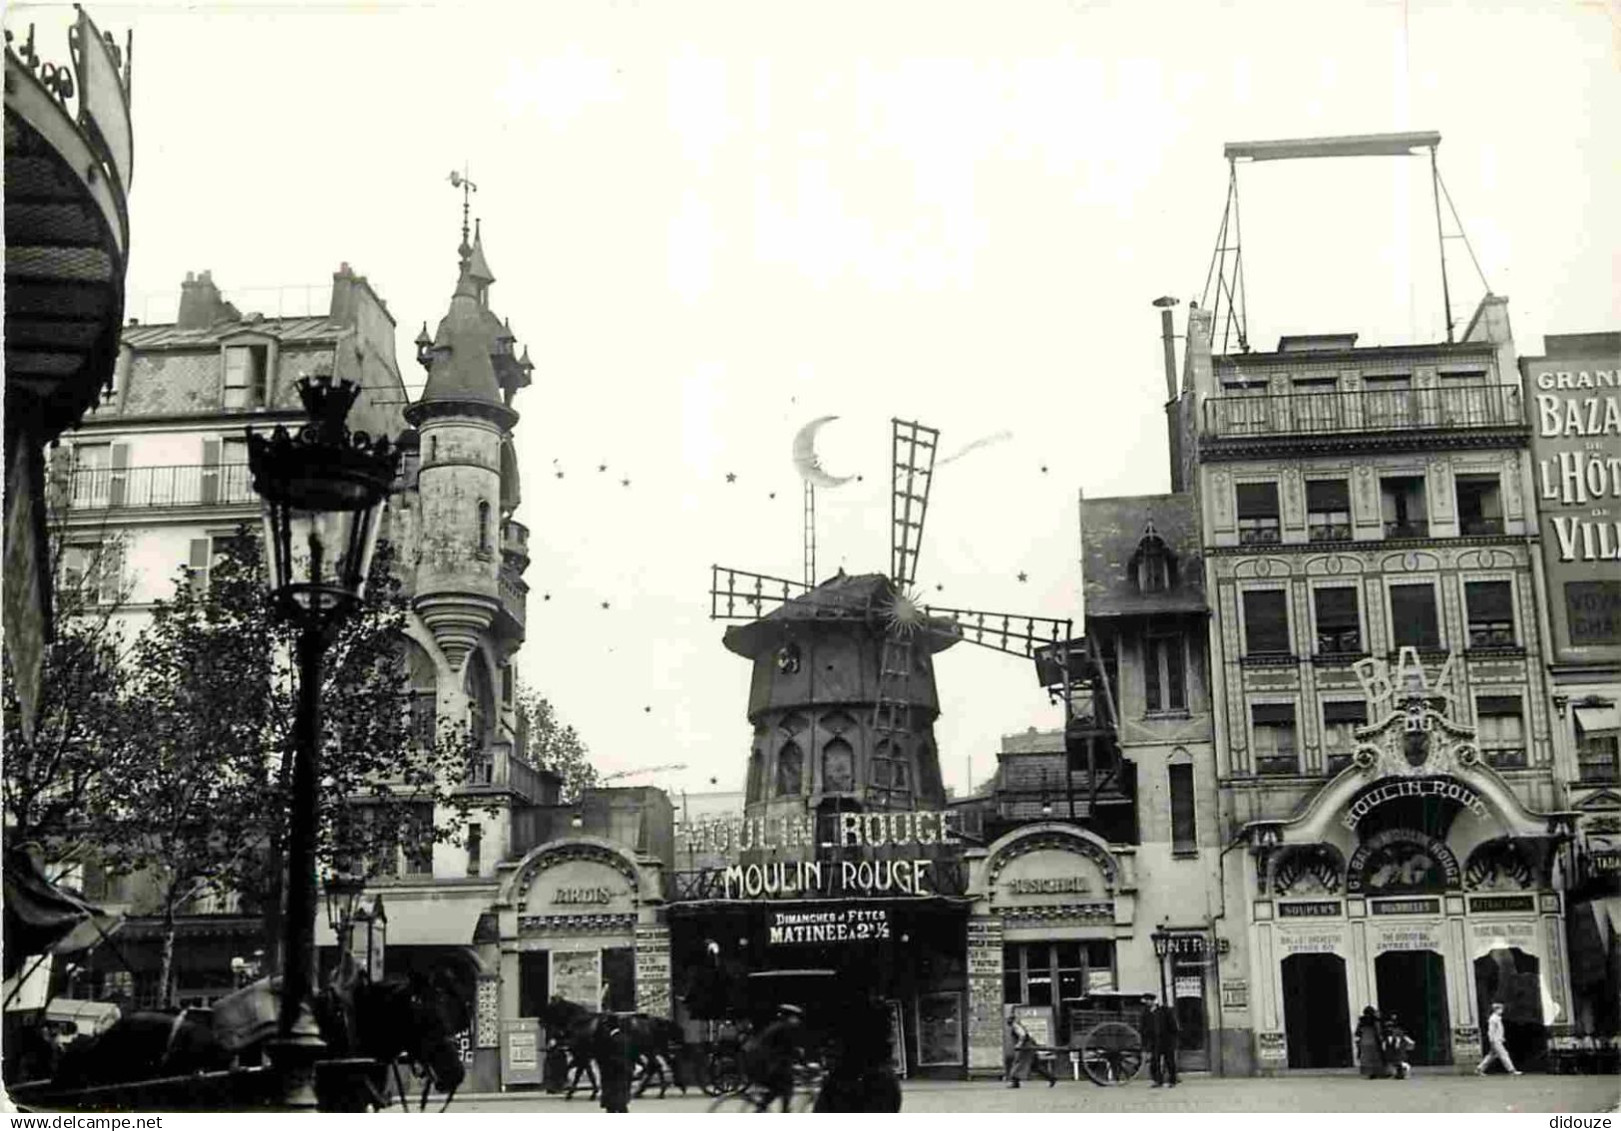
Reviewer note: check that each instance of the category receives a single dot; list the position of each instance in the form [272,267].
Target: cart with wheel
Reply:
[1106,1036]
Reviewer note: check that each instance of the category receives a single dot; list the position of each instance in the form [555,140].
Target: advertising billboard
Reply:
[1575,397]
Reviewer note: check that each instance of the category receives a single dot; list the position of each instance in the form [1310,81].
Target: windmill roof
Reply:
[841,598]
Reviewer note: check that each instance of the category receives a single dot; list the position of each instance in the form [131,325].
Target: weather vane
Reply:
[460,180]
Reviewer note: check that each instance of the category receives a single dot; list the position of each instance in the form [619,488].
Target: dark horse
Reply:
[413,1019]
[652,1042]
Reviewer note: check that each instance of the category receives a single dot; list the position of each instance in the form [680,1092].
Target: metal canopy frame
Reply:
[1226,273]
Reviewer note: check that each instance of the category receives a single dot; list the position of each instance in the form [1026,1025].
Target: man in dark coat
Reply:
[1162,1036]
[612,1047]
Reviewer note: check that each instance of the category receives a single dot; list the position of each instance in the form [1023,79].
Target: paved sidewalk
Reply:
[1448,1093]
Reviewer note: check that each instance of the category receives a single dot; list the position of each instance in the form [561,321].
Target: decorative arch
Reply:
[790,769]
[1046,837]
[1499,865]
[1153,567]
[838,766]
[1399,861]
[515,888]
[1308,869]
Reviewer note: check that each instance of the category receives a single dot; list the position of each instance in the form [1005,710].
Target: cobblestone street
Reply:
[1449,1093]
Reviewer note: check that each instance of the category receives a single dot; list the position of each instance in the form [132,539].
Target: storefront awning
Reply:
[41,918]
[1598,722]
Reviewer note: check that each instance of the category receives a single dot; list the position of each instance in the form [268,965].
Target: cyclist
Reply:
[770,1057]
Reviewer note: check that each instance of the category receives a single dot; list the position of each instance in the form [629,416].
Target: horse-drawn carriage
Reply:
[215,1059]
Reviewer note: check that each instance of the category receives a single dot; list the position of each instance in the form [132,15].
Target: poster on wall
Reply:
[1407,936]
[1488,936]
[577,977]
[940,1029]
[1312,942]
[1574,406]
[1037,1020]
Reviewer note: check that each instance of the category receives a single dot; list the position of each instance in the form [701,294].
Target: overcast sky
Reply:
[712,222]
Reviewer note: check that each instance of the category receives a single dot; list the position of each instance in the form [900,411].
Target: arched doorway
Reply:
[1412,984]
[1316,1011]
[1513,977]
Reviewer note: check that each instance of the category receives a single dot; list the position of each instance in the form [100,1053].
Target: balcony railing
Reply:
[191,485]
[1365,410]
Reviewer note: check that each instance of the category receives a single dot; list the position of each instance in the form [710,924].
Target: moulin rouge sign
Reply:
[1576,393]
[865,855]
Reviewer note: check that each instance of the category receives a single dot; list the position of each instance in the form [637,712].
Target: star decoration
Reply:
[624,482]
[938,587]
[773,495]
[1023,576]
[546,597]
[1044,469]
[605,604]
[731,477]
[647,710]
[602,467]
[560,475]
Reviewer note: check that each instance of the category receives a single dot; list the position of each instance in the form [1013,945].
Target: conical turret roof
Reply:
[479,267]
[461,368]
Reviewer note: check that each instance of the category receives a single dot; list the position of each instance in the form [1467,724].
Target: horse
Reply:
[414,1019]
[145,1045]
[584,1034]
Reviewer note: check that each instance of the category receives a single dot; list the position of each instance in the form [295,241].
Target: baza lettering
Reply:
[1578,416]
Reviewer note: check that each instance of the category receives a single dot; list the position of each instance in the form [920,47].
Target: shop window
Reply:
[1328,510]
[1266,622]
[245,376]
[790,769]
[1274,745]
[1480,504]
[1184,831]
[1413,619]
[1165,681]
[1341,718]
[1490,607]
[1401,506]
[534,982]
[1500,729]
[1339,623]
[838,767]
[1056,974]
[1257,513]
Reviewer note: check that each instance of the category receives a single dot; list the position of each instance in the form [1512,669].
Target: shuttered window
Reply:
[198,561]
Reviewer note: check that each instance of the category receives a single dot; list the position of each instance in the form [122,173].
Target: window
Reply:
[1056,973]
[424,716]
[100,472]
[891,781]
[1490,607]
[416,837]
[1466,399]
[1401,506]
[1184,836]
[1328,510]
[1165,685]
[1257,513]
[1412,616]
[790,770]
[838,767]
[475,847]
[245,376]
[224,476]
[94,571]
[199,562]
[1153,567]
[1387,402]
[483,526]
[1500,729]
[1480,504]
[1341,718]
[756,775]
[1266,622]
[1339,627]
[1597,756]
[508,680]
[1275,750]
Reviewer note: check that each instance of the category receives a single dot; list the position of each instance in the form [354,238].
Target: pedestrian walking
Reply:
[613,1065]
[1370,1045]
[1398,1047]
[1494,1038]
[1024,1059]
[1163,1035]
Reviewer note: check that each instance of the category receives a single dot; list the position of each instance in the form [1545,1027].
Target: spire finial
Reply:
[460,180]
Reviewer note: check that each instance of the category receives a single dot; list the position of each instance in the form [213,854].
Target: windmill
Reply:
[859,649]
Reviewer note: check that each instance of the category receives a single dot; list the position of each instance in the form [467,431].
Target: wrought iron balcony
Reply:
[190,485]
[1365,410]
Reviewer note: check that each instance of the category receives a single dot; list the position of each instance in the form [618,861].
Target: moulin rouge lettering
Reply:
[771,834]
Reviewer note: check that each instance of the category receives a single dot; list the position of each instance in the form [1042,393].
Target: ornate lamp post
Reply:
[343,893]
[1162,948]
[323,489]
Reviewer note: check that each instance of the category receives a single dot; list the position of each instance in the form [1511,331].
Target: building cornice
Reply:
[1231,449]
[1272,549]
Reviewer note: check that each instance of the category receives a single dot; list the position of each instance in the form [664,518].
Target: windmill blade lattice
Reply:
[912,447]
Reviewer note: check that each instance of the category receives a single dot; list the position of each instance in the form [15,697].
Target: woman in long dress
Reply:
[1370,1045]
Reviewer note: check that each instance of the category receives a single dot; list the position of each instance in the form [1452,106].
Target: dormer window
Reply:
[1153,567]
[245,369]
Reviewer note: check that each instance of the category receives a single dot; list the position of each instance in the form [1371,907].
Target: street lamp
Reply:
[343,892]
[1162,948]
[323,489]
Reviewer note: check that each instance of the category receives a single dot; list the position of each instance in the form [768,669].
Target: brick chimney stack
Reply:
[201,304]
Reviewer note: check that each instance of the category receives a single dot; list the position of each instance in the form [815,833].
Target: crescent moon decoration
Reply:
[807,462]
[982,442]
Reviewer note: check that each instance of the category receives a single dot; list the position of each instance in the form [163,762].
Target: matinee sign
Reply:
[1576,432]
[838,924]
[866,854]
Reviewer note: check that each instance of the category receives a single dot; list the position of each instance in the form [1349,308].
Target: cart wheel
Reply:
[725,1076]
[1111,1053]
